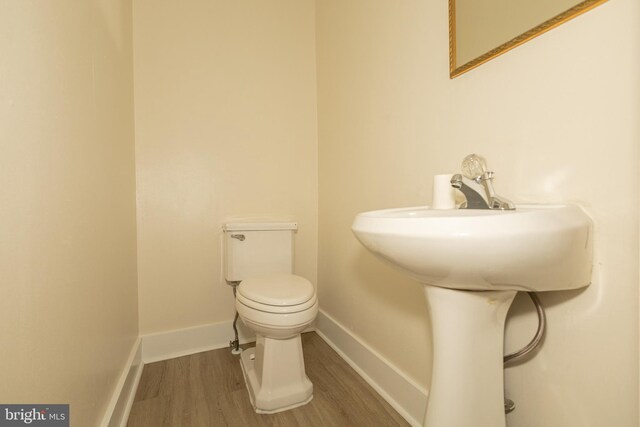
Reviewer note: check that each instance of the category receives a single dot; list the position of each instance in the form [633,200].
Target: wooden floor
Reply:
[207,389]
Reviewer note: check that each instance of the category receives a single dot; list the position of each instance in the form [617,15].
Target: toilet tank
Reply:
[255,249]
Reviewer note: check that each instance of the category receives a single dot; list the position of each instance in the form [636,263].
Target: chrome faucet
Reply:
[477,186]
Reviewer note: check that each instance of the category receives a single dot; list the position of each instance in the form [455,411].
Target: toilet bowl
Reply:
[277,308]
[278,317]
[277,305]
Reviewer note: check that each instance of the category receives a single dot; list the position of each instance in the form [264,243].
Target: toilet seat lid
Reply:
[277,290]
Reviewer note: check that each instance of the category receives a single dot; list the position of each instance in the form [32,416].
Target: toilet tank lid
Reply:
[259,226]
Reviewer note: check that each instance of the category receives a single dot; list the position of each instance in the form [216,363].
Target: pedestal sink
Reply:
[472,263]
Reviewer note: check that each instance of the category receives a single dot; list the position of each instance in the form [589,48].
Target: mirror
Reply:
[480,30]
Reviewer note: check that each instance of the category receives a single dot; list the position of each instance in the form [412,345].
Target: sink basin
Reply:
[532,248]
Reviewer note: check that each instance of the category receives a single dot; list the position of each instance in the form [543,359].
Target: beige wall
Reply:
[68,311]
[557,120]
[225,129]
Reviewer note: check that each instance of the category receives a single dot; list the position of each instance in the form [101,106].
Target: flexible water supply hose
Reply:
[537,339]
[235,344]
[534,343]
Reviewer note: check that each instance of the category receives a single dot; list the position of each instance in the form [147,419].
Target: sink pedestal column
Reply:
[467,385]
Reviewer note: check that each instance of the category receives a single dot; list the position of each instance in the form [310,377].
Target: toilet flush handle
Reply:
[238,236]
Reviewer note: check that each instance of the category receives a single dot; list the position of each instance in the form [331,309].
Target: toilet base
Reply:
[274,373]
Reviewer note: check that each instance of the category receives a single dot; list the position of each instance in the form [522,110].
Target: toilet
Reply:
[277,305]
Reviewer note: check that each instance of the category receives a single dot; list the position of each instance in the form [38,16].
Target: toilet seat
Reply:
[277,293]
[276,309]
[276,324]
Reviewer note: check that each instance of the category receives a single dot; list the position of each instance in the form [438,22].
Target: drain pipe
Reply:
[235,344]
[509,405]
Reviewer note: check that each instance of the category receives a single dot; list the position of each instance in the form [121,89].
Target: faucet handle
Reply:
[474,167]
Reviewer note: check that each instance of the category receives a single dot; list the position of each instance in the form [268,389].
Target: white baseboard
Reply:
[117,412]
[183,342]
[402,393]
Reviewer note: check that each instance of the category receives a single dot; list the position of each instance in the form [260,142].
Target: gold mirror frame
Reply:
[565,16]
